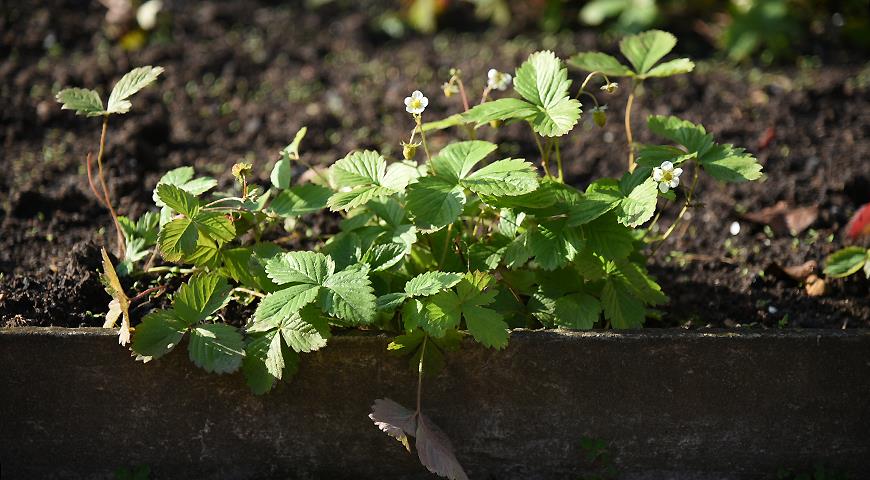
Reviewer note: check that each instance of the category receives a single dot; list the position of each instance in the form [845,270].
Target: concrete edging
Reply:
[671,403]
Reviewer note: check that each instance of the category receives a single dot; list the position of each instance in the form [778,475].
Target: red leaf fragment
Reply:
[859,224]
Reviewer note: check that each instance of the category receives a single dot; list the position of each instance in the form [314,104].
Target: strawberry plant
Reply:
[461,244]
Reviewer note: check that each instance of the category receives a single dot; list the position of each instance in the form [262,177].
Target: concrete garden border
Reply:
[672,404]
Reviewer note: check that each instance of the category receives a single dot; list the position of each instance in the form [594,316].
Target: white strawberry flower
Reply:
[497,80]
[416,103]
[667,176]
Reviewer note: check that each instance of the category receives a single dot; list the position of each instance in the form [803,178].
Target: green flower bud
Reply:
[409,150]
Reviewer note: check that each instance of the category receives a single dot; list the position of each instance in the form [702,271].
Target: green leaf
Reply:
[300,200]
[442,312]
[359,169]
[578,311]
[158,334]
[430,283]
[386,255]
[300,267]
[281,305]
[639,282]
[177,239]
[652,156]
[350,296]
[601,197]
[507,177]
[621,308]
[608,238]
[83,101]
[391,301]
[554,244]
[670,68]
[216,347]
[282,174]
[357,197]
[599,62]
[543,81]
[486,326]
[215,225]
[451,121]
[305,331]
[182,178]
[129,84]
[200,297]
[690,135]
[640,205]
[178,199]
[247,265]
[645,49]
[728,164]
[434,202]
[845,262]
[264,362]
[457,159]
[501,109]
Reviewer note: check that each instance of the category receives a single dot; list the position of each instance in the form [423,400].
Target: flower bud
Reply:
[600,118]
[242,169]
[409,150]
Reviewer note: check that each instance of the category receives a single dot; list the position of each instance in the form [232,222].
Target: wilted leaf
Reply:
[436,452]
[784,219]
[394,420]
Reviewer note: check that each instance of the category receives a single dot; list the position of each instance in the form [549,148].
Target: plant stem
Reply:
[446,243]
[146,292]
[628,136]
[462,93]
[544,159]
[107,199]
[419,119]
[683,210]
[168,269]
[485,95]
[559,160]
[249,292]
[420,375]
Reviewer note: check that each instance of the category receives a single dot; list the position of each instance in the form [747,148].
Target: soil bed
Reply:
[240,81]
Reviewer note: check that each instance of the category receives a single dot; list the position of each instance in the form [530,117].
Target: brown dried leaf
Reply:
[802,271]
[394,420]
[784,219]
[815,286]
[120,304]
[436,452]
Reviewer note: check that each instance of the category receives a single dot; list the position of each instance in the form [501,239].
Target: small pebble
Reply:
[735,228]
[772,310]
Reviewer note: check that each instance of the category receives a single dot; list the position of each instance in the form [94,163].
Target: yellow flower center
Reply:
[416,103]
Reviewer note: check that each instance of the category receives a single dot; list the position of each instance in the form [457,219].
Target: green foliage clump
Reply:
[464,245]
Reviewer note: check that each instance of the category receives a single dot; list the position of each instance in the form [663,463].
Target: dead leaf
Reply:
[436,452]
[784,219]
[802,271]
[394,420]
[815,286]
[859,224]
[121,303]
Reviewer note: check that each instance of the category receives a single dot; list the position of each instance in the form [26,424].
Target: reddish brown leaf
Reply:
[784,219]
[394,420]
[859,225]
[436,452]
[802,271]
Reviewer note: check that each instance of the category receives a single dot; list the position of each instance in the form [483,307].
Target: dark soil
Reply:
[242,76]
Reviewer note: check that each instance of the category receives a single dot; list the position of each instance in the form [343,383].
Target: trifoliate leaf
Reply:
[673,67]
[305,330]
[645,49]
[128,85]
[621,308]
[177,239]
[608,238]
[457,159]
[216,347]
[178,199]
[434,202]
[281,305]
[349,296]
[200,297]
[690,135]
[394,420]
[501,109]
[599,62]
[846,261]
[640,205]
[507,177]
[430,283]
[300,200]
[486,326]
[158,334]
[83,101]
[729,164]
[182,178]
[578,311]
[435,450]
[300,267]
[543,81]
